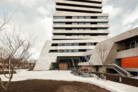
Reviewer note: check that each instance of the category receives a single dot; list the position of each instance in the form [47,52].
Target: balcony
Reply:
[127,53]
[127,44]
[82,26]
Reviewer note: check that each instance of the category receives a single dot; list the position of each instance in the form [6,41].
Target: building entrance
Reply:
[67,63]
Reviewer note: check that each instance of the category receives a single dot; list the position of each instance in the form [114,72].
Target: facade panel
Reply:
[130,62]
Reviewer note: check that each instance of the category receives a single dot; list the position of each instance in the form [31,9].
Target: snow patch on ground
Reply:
[67,76]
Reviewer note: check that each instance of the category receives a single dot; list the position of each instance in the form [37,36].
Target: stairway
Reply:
[118,69]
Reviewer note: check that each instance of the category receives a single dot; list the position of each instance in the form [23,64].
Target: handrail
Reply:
[119,69]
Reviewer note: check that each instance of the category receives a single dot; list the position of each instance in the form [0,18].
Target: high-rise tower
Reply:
[78,25]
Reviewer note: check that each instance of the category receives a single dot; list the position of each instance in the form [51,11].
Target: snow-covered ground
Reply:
[67,76]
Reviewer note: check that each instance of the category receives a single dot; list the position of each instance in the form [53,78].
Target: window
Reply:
[75,23]
[88,17]
[95,43]
[76,50]
[59,51]
[53,51]
[93,17]
[75,44]
[132,44]
[59,17]
[137,43]
[102,23]
[68,44]
[74,29]
[67,50]
[81,23]
[102,17]
[87,29]
[88,49]
[88,44]
[58,23]
[80,35]
[102,29]
[74,35]
[59,29]
[75,17]
[81,29]
[60,44]
[68,17]
[87,23]
[81,17]
[127,45]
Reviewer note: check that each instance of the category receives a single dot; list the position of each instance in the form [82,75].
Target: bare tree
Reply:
[5,20]
[14,47]
[102,50]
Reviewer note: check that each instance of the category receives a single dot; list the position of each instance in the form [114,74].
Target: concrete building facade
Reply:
[78,25]
[119,54]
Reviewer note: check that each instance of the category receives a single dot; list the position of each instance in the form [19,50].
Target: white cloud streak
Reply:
[113,11]
[130,16]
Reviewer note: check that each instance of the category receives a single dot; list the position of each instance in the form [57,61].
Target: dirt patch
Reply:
[52,86]
[125,80]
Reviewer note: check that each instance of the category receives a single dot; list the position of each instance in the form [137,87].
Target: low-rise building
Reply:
[119,54]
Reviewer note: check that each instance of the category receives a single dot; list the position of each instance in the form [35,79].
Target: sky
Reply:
[34,17]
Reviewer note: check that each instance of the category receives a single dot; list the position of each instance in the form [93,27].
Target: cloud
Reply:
[130,16]
[34,17]
[113,11]
[136,25]
[105,1]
